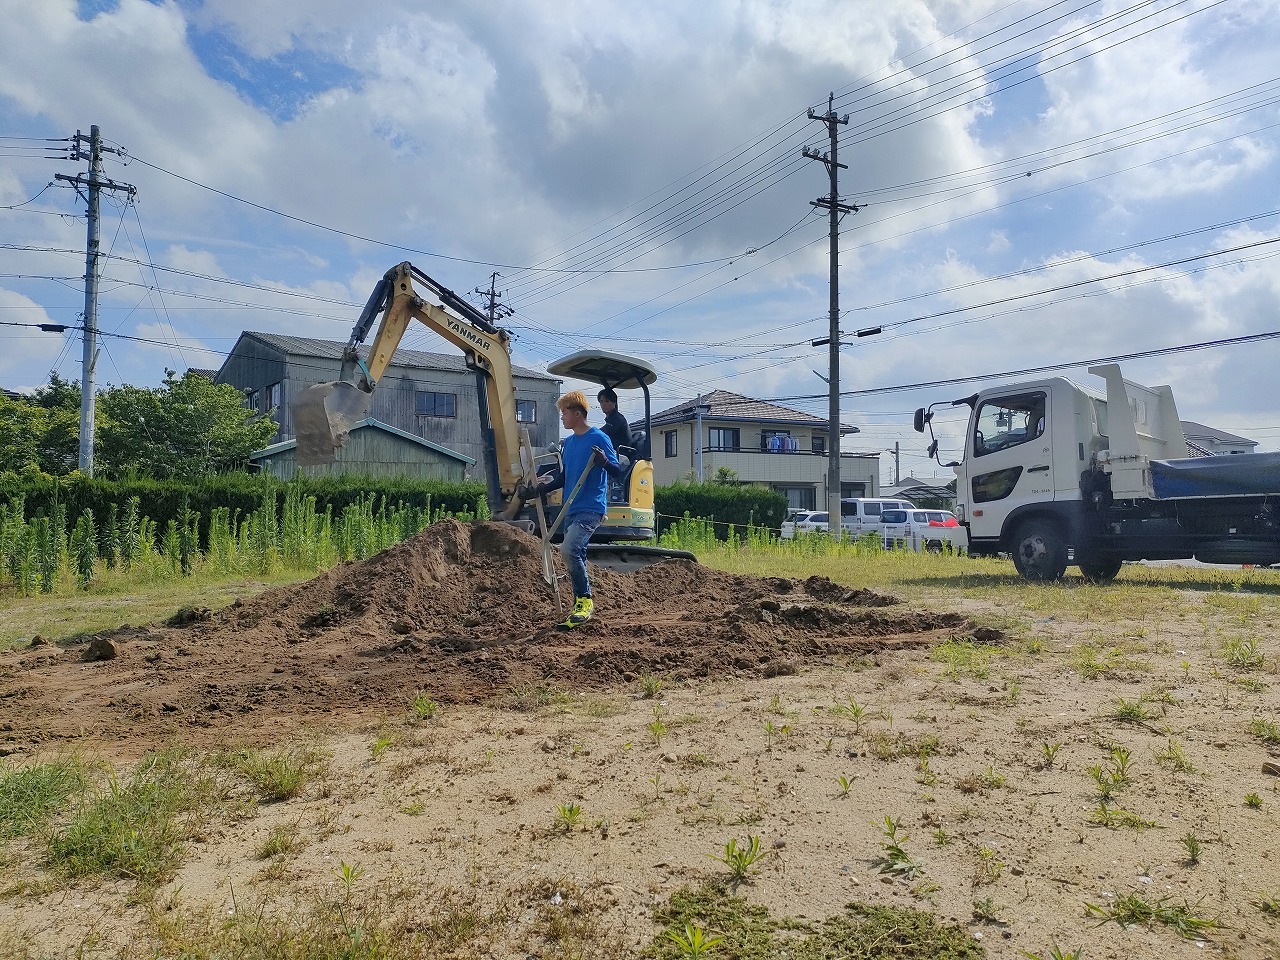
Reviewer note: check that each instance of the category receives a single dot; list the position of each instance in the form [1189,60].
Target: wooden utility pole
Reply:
[835,208]
[94,182]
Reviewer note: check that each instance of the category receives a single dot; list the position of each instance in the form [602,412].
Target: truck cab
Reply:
[1055,473]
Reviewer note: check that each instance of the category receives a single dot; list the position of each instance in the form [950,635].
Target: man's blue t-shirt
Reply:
[593,497]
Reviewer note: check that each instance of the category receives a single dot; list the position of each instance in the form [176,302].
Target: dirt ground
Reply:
[697,707]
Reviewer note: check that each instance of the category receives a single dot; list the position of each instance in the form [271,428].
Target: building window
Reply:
[427,403]
[251,399]
[725,438]
[669,443]
[819,444]
[798,498]
[526,411]
[275,396]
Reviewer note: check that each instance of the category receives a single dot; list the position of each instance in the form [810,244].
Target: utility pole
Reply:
[897,462]
[496,311]
[833,205]
[94,182]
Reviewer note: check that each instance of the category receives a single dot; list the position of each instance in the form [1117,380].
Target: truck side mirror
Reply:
[922,417]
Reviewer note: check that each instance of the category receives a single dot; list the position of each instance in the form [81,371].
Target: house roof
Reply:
[369,422]
[205,372]
[413,359]
[726,405]
[1198,431]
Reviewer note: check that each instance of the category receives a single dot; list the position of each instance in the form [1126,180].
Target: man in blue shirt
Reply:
[586,450]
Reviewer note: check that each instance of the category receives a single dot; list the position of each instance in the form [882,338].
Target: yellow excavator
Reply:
[325,413]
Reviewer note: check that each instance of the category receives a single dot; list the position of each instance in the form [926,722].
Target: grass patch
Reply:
[31,796]
[1092,661]
[277,775]
[963,658]
[1242,653]
[1268,731]
[1131,910]
[861,932]
[133,828]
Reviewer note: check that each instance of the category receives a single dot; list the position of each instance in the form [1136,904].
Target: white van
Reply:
[932,530]
[859,515]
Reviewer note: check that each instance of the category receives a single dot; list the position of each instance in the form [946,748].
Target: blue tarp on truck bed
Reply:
[1235,475]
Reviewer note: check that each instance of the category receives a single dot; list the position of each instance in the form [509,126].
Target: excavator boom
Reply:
[325,413]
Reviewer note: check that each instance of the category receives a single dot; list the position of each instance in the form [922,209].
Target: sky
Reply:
[1036,184]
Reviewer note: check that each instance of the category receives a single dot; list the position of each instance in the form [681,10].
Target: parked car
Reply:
[806,521]
[930,530]
[859,515]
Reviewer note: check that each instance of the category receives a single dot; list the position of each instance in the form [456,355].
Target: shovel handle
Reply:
[569,499]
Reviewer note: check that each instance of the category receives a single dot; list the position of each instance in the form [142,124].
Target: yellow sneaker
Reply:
[583,607]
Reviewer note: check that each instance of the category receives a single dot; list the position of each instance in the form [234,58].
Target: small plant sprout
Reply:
[567,816]
[941,837]
[1057,953]
[382,744]
[1192,843]
[852,710]
[740,860]
[845,783]
[693,943]
[1048,754]
[986,910]
[424,708]
[1130,711]
[1174,757]
[656,782]
[657,729]
[1253,801]
[773,731]
[1268,905]
[650,686]
[894,860]
[990,867]
[349,873]
[1120,758]
[1242,653]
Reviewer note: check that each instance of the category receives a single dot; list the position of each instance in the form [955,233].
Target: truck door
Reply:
[1009,459]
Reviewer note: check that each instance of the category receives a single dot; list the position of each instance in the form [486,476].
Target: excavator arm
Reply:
[326,412]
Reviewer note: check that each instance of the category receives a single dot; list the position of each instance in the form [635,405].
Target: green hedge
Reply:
[724,503]
[162,500]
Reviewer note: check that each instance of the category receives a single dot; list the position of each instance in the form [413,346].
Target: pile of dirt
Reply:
[461,612]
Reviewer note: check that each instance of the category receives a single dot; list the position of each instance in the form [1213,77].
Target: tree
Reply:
[43,431]
[185,428]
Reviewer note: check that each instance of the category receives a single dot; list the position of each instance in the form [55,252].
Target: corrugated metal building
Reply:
[375,450]
[426,395]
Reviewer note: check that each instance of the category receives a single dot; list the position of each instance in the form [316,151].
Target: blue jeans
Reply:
[577,531]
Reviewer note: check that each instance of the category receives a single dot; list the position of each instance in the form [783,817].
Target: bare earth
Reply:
[745,738]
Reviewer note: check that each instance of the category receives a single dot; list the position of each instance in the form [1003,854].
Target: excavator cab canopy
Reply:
[618,372]
[607,369]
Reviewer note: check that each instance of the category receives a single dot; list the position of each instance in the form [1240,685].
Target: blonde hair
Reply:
[574,398]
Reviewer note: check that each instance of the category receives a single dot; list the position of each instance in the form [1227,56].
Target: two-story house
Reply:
[1209,440]
[762,443]
[427,395]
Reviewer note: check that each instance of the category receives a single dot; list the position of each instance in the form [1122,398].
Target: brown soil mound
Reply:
[460,612]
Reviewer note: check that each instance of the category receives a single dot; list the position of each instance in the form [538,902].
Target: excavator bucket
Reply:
[322,418]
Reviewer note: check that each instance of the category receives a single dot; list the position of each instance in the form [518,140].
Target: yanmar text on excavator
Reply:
[325,413]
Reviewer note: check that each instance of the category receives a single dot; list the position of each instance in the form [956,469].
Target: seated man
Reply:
[615,426]
[618,431]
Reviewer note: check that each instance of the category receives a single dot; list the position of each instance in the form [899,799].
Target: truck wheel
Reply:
[1039,552]
[934,546]
[1100,570]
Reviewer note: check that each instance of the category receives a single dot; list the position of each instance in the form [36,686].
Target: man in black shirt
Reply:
[615,426]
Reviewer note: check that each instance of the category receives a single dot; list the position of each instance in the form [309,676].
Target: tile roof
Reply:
[726,405]
[416,359]
[1198,431]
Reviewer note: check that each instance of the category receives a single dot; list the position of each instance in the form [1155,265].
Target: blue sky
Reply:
[995,150]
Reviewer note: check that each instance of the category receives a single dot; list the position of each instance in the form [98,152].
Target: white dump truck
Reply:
[1055,473]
